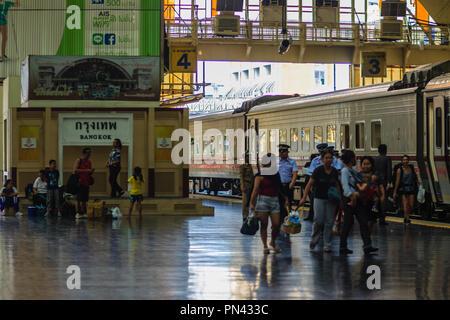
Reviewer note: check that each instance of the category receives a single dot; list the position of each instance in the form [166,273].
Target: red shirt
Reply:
[268,188]
[84,176]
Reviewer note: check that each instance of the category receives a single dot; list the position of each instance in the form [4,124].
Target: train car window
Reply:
[438,128]
[359,130]
[345,136]
[375,134]
[226,145]
[331,135]
[283,136]
[294,140]
[305,139]
[318,136]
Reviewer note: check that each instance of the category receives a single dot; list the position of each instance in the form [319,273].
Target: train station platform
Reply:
[175,257]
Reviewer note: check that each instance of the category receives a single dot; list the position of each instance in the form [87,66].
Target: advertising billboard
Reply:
[78,28]
[90,78]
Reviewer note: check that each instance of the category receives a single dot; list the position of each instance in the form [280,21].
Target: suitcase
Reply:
[95,209]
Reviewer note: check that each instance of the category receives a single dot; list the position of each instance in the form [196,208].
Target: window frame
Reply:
[335,134]
[349,135]
[309,138]
[290,139]
[314,136]
[438,125]
[364,131]
[381,126]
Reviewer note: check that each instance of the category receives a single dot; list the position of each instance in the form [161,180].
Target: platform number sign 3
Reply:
[373,64]
[183,59]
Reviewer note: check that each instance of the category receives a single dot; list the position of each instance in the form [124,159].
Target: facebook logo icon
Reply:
[98,1]
[110,39]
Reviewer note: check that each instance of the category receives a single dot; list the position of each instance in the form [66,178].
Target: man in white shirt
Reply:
[40,190]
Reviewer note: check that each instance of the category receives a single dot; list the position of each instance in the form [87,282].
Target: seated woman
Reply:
[9,198]
[40,190]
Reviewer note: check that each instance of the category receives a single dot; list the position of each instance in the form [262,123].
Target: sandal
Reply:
[266,251]
[277,249]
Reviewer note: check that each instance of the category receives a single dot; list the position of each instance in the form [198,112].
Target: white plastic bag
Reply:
[421,195]
[116,214]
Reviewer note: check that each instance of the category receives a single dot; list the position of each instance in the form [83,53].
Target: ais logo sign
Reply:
[108,39]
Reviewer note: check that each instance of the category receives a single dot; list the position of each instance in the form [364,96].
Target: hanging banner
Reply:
[90,78]
[79,27]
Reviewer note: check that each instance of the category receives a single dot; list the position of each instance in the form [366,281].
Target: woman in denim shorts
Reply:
[265,195]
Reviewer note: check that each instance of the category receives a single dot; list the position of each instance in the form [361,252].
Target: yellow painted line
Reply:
[421,223]
[205,197]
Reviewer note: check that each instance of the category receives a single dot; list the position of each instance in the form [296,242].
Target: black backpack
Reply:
[73,184]
[29,191]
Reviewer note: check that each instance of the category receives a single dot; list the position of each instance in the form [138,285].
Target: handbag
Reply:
[250,225]
[334,194]
[421,194]
[338,222]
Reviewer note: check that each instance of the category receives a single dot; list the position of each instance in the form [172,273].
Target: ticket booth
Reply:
[39,129]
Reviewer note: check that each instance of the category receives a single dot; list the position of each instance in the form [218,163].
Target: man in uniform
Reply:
[246,174]
[288,170]
[317,162]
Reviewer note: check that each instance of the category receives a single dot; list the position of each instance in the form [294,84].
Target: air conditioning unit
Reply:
[326,11]
[271,12]
[227,24]
[390,29]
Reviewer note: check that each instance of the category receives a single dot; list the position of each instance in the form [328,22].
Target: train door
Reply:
[438,148]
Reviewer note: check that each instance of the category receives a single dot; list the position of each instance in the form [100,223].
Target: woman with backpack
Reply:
[327,194]
[406,185]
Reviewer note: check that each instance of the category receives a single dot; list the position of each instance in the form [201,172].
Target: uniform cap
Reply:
[322,146]
[283,147]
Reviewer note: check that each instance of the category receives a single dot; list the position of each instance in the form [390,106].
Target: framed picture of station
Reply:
[90,78]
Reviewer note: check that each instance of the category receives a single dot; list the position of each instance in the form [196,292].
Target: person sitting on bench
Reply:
[9,198]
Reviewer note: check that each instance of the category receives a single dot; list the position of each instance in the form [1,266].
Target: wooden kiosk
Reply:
[36,131]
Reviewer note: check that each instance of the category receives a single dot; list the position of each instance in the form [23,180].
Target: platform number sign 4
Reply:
[373,64]
[183,59]
[184,62]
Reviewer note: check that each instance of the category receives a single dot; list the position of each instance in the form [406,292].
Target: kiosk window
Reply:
[294,140]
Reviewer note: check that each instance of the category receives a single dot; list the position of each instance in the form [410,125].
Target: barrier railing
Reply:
[307,31]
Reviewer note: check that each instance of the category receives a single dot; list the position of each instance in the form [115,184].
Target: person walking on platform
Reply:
[265,195]
[246,179]
[83,167]
[113,164]
[406,184]
[327,191]
[352,205]
[383,169]
[288,170]
[53,196]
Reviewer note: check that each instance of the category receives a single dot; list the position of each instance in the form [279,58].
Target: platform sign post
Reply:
[183,59]
[373,64]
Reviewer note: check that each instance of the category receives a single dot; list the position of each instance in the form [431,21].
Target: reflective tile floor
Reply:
[207,258]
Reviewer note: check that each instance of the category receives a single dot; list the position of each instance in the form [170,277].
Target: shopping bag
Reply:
[250,225]
[421,195]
